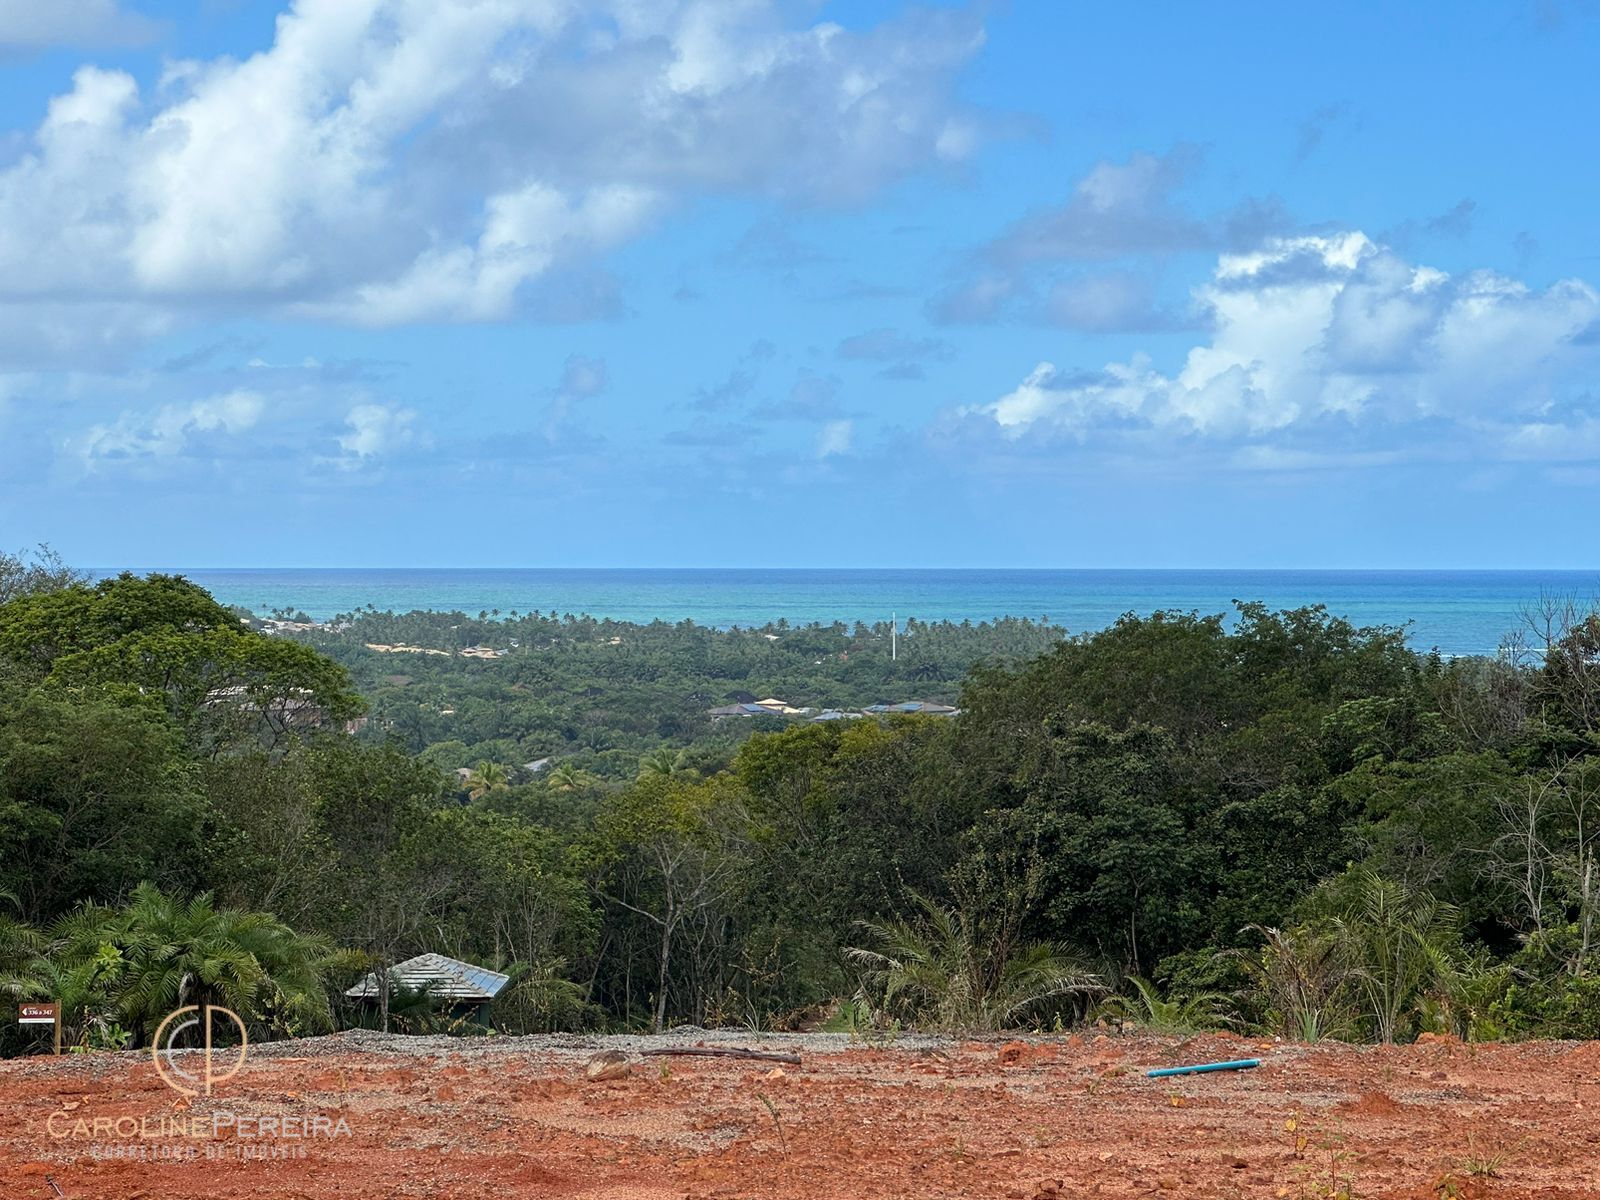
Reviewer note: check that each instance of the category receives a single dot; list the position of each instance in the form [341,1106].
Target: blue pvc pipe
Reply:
[1238,1064]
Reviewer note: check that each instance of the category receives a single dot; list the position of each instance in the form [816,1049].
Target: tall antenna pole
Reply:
[894,637]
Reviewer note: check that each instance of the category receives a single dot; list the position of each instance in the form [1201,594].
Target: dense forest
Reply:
[1269,820]
[595,695]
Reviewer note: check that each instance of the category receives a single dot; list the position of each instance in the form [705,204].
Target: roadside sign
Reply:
[37,1014]
[41,1014]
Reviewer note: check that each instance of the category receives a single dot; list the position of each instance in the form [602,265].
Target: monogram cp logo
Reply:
[164,1047]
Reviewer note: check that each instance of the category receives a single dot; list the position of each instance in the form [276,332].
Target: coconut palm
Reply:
[664,763]
[487,777]
[937,973]
[564,777]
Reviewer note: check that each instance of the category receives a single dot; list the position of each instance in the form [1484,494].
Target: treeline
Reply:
[598,694]
[1279,822]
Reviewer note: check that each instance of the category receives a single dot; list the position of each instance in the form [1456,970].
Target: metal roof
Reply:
[448,979]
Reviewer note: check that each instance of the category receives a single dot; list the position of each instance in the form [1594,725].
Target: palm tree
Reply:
[1304,980]
[413,1010]
[1396,942]
[938,973]
[1151,1013]
[564,777]
[540,997]
[664,762]
[487,777]
[159,953]
[20,944]
[84,990]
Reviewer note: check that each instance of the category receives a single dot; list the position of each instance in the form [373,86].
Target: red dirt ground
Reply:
[1060,1117]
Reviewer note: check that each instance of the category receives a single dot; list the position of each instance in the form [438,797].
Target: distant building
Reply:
[770,707]
[773,707]
[537,765]
[466,989]
[297,707]
[780,708]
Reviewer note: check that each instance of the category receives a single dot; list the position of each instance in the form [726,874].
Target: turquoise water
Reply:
[1457,612]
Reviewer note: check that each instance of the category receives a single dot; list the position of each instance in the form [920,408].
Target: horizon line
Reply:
[168,567]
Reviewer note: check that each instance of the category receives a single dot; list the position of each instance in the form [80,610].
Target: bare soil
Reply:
[1036,1118]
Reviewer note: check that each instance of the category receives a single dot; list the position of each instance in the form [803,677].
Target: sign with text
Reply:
[37,1014]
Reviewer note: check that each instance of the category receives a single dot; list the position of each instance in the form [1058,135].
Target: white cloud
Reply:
[1309,330]
[835,438]
[1574,440]
[372,430]
[34,24]
[524,235]
[171,429]
[389,161]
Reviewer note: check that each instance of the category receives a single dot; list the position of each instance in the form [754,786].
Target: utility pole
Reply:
[894,637]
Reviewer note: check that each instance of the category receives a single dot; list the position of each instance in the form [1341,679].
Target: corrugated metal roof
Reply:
[450,979]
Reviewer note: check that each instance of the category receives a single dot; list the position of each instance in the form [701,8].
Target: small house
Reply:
[467,990]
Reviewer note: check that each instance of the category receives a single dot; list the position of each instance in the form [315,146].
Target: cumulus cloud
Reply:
[1339,332]
[171,430]
[373,430]
[35,24]
[390,161]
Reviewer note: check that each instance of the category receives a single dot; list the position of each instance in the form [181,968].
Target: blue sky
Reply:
[748,282]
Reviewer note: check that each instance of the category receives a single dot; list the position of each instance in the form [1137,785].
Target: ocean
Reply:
[1455,612]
